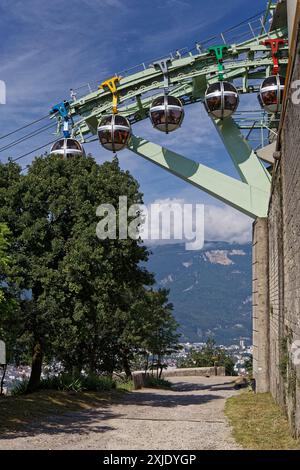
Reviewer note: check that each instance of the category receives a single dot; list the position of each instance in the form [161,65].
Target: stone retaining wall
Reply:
[140,378]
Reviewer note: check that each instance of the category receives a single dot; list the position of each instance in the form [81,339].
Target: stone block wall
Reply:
[290,187]
[277,327]
[260,306]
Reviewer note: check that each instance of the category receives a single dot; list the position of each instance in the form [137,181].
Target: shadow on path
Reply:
[190,387]
[96,420]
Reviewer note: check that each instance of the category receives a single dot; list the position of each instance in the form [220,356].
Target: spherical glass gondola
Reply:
[221,99]
[114,132]
[166,113]
[67,148]
[271,93]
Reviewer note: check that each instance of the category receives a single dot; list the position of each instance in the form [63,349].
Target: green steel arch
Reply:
[189,73]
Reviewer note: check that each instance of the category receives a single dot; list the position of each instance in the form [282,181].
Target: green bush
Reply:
[65,382]
[20,389]
[96,383]
[154,382]
[125,385]
[69,382]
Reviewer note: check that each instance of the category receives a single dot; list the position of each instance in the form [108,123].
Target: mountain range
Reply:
[210,289]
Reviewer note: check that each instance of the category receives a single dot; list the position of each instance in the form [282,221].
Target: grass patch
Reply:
[125,386]
[19,411]
[258,422]
[153,382]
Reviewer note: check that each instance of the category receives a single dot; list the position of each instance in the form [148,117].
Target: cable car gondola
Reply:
[271,93]
[114,132]
[67,148]
[221,99]
[166,113]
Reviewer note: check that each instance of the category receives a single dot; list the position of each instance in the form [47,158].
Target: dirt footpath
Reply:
[190,416]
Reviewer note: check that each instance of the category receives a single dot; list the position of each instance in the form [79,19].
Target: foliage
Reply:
[208,356]
[4,259]
[154,382]
[84,302]
[20,388]
[249,366]
[80,383]
[125,385]
[150,330]
[8,295]
[70,383]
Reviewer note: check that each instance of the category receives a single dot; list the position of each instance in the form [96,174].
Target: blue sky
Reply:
[50,47]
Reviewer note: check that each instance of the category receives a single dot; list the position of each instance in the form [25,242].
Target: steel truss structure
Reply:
[189,73]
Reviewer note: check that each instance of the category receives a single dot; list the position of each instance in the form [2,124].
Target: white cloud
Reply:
[226,224]
[221,223]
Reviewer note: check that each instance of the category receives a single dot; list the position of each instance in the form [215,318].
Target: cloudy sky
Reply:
[50,47]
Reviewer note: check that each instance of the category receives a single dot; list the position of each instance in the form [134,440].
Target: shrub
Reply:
[20,389]
[154,382]
[98,383]
[125,385]
[70,383]
[65,382]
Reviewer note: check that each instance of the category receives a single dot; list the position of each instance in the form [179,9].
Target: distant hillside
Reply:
[210,289]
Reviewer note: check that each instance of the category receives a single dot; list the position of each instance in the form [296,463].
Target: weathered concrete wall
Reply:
[276,290]
[284,257]
[260,301]
[290,170]
[195,371]
[140,378]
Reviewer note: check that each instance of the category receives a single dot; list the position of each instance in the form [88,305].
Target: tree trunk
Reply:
[36,368]
[2,379]
[147,363]
[126,367]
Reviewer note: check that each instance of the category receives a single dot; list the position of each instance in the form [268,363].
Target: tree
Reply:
[249,365]
[76,286]
[209,356]
[150,330]
[4,262]
[9,308]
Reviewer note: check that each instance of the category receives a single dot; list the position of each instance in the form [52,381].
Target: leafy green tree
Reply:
[76,303]
[151,330]
[9,298]
[4,262]
[249,365]
[209,356]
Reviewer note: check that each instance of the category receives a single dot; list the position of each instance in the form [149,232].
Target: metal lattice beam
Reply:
[188,78]
[249,199]
[249,167]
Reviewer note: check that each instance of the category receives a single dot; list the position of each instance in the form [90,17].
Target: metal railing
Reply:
[257,126]
[246,30]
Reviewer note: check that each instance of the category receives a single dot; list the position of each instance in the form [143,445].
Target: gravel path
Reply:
[190,416]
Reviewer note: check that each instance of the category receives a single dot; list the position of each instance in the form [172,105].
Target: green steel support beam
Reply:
[188,78]
[249,199]
[249,167]
[192,73]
